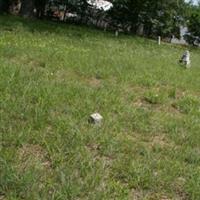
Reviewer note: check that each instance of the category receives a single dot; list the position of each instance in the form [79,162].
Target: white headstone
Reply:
[185,59]
[95,118]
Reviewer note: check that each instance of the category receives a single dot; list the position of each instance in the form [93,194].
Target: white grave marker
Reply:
[96,118]
[185,59]
[159,40]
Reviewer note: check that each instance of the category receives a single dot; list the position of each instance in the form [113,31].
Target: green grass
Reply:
[53,76]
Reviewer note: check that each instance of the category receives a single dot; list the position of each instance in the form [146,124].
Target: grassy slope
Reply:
[53,76]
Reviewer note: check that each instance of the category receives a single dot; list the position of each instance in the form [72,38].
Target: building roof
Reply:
[101,4]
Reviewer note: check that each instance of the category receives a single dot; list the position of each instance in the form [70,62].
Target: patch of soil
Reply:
[94,82]
[30,155]
[161,141]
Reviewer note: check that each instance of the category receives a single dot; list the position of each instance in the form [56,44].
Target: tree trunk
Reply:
[40,7]
[27,8]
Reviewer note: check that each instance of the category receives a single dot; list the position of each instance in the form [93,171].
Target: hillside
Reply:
[53,76]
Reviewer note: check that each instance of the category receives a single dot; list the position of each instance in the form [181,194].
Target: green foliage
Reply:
[194,26]
[157,17]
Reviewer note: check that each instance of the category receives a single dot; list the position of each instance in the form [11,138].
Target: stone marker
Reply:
[95,118]
[116,33]
[185,59]
[159,40]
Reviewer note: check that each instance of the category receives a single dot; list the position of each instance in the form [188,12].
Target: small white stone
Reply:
[95,118]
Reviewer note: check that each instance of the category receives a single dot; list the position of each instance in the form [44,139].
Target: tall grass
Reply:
[53,76]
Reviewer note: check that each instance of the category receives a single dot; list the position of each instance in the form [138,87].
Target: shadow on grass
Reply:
[76,30]
[16,24]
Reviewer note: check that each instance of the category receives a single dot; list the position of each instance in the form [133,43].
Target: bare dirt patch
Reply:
[63,75]
[161,141]
[178,186]
[31,155]
[2,197]
[95,152]
[137,194]
[94,82]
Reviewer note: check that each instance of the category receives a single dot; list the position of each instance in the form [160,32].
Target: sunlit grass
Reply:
[53,76]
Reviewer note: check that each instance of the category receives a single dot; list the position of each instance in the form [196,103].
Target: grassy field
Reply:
[53,76]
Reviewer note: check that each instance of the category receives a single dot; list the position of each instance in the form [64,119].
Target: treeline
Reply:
[36,8]
[193,24]
[144,17]
[149,17]
[154,18]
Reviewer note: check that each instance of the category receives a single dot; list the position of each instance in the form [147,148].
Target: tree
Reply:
[80,7]
[194,26]
[4,6]
[27,8]
[40,8]
[126,13]
[157,17]
[164,17]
